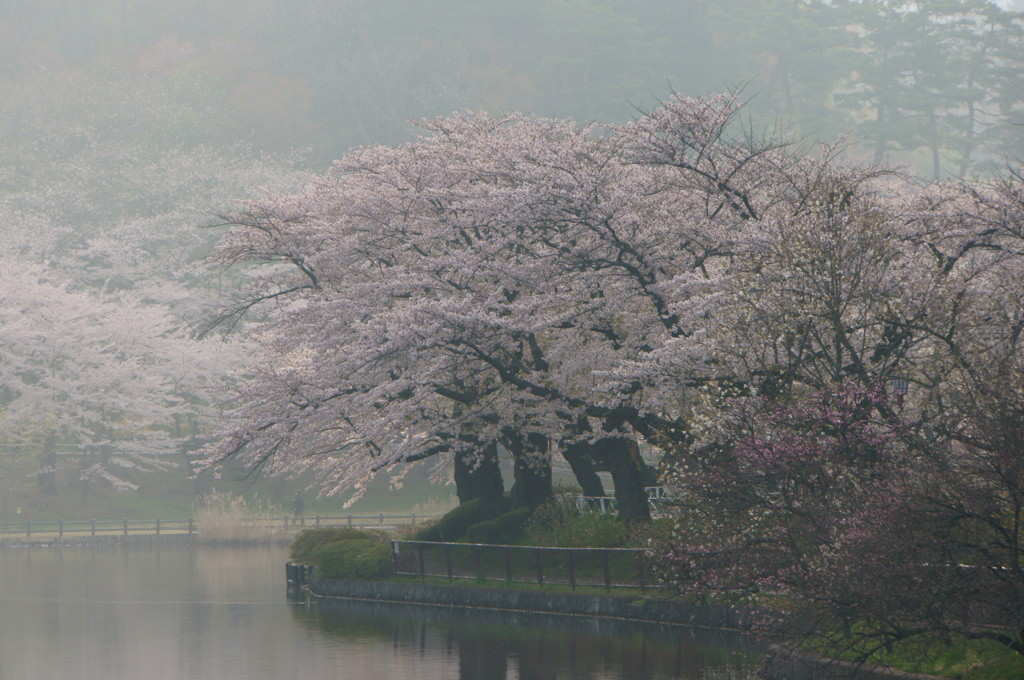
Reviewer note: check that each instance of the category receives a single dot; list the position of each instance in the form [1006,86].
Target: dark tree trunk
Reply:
[85,488]
[463,481]
[47,478]
[579,458]
[532,469]
[621,456]
[477,476]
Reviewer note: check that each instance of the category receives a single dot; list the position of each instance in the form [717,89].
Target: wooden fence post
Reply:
[572,569]
[640,571]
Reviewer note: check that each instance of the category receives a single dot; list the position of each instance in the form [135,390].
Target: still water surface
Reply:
[220,613]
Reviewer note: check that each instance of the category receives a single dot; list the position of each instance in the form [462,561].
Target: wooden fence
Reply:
[158,527]
[601,567]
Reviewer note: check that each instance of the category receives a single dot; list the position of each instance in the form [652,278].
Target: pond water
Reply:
[211,612]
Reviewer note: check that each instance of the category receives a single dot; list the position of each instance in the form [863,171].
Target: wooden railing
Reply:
[189,526]
[601,567]
[123,527]
[379,521]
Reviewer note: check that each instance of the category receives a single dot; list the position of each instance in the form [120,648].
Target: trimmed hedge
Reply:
[507,528]
[453,526]
[359,558]
[307,541]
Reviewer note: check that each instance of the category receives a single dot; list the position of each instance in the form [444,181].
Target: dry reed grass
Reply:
[224,516]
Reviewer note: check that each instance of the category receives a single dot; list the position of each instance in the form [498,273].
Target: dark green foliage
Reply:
[507,528]
[308,541]
[457,520]
[428,533]
[561,523]
[359,558]
[454,525]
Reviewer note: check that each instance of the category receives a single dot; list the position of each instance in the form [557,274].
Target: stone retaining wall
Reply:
[507,599]
[778,665]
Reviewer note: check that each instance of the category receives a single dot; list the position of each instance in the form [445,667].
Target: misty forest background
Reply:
[126,125]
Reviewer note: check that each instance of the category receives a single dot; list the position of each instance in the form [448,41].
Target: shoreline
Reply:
[151,540]
[779,663]
[99,541]
[488,598]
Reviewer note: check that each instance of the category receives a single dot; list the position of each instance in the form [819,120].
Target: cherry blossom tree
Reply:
[427,306]
[500,280]
[103,378]
[804,504]
[107,182]
[977,403]
[101,191]
[805,485]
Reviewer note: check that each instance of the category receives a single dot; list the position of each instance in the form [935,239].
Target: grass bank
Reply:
[955,658]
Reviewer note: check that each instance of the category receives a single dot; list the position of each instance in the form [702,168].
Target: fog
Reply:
[128,125]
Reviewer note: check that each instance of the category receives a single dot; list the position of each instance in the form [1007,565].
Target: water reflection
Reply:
[220,613]
[507,646]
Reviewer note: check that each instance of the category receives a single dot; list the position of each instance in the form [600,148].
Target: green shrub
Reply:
[507,528]
[308,540]
[561,523]
[427,533]
[454,525]
[359,558]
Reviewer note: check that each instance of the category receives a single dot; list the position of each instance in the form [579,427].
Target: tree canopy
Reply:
[807,341]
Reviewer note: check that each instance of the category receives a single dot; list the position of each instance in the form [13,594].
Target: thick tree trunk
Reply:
[579,458]
[477,476]
[84,500]
[47,478]
[532,470]
[621,456]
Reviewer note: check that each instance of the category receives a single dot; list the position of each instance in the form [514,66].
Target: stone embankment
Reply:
[646,610]
[779,664]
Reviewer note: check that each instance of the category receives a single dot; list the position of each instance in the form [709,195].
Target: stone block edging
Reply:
[779,663]
[508,599]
